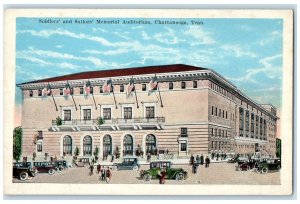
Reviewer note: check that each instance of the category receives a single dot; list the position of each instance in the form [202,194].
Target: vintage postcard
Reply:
[148,102]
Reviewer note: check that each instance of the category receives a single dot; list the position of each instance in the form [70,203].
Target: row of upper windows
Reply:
[220,113]
[221,90]
[127,113]
[219,133]
[122,88]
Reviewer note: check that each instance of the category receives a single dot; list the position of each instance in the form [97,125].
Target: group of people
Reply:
[105,173]
[195,162]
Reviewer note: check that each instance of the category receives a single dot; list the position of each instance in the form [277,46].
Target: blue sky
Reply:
[248,52]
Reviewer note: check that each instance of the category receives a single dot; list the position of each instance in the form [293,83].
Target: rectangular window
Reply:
[212,110]
[226,114]
[39,92]
[101,89]
[107,113]
[61,92]
[81,90]
[40,135]
[223,114]
[67,115]
[87,114]
[39,147]
[183,132]
[121,88]
[216,111]
[195,84]
[144,87]
[150,112]
[171,86]
[183,85]
[30,93]
[183,147]
[127,113]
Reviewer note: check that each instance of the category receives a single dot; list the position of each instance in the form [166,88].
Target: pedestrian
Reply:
[198,159]
[195,168]
[163,176]
[159,175]
[192,159]
[98,169]
[103,174]
[108,175]
[112,158]
[91,169]
[201,159]
[207,161]
[148,157]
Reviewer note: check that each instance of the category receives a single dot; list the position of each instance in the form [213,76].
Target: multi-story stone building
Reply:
[190,110]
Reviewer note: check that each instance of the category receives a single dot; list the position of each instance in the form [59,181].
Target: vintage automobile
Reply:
[171,173]
[61,165]
[247,165]
[269,165]
[128,163]
[233,160]
[45,167]
[82,162]
[23,170]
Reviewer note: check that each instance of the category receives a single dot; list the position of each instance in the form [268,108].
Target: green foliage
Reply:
[76,152]
[96,152]
[17,143]
[58,121]
[100,121]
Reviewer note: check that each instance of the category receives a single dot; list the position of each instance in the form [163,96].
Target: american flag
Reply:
[46,90]
[130,87]
[67,89]
[87,88]
[153,83]
[107,86]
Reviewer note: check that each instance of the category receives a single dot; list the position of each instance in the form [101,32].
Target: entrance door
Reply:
[87,146]
[107,144]
[151,145]
[128,145]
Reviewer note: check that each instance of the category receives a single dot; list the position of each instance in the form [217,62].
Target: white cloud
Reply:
[238,51]
[167,37]
[59,46]
[201,36]
[270,37]
[145,36]
[268,68]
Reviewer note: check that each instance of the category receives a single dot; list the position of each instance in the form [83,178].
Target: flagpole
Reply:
[94,101]
[114,95]
[72,95]
[53,97]
[137,103]
[161,104]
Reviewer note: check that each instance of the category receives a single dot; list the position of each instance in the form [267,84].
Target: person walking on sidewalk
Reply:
[195,168]
[91,169]
[207,161]
[103,174]
[192,159]
[201,159]
[198,159]
[98,169]
[108,175]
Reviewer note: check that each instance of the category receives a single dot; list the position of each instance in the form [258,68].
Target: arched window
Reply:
[128,145]
[67,145]
[87,145]
[151,145]
[107,144]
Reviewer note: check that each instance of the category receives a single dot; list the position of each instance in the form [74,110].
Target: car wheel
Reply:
[147,177]
[58,170]
[179,177]
[135,168]
[51,171]
[23,176]
[264,170]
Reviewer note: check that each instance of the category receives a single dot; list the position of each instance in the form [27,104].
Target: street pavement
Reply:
[217,173]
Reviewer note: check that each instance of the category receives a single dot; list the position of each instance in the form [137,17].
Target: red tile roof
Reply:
[121,72]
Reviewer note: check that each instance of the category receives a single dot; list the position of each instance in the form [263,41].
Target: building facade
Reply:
[184,110]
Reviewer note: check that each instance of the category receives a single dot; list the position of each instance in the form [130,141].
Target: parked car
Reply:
[128,163]
[269,165]
[82,162]
[45,167]
[247,165]
[156,168]
[233,160]
[60,165]
[23,170]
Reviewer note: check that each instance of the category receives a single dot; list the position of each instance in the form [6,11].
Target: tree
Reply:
[76,152]
[17,143]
